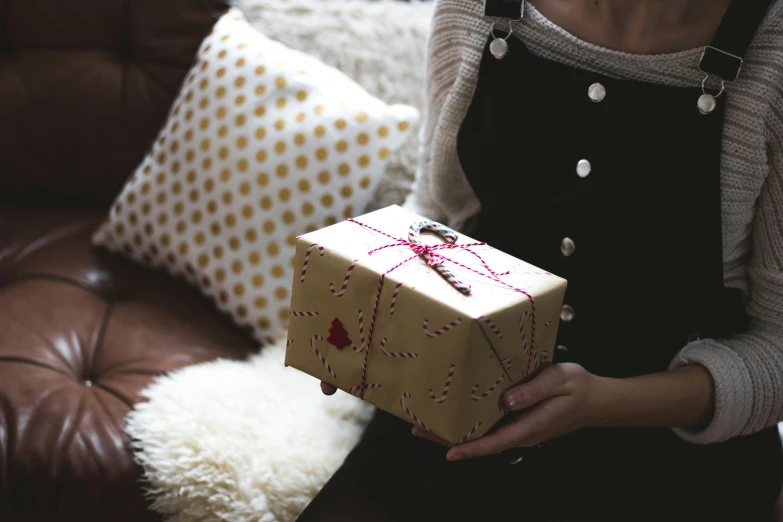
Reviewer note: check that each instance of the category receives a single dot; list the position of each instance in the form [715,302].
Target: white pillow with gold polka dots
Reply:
[263,143]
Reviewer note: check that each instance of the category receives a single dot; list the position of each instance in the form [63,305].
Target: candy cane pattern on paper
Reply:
[318,354]
[307,259]
[486,393]
[445,387]
[362,346]
[354,389]
[413,416]
[522,331]
[532,336]
[345,281]
[394,298]
[304,314]
[471,432]
[443,330]
[397,355]
[494,328]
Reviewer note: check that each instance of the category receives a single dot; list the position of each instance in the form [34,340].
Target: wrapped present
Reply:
[432,328]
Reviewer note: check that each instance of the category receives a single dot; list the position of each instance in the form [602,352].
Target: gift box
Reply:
[427,325]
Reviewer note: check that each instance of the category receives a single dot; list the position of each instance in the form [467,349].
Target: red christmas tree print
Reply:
[338,337]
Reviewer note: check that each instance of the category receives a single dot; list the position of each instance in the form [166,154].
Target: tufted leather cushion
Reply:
[81,333]
[85,86]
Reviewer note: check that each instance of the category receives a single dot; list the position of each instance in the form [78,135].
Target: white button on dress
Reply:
[583,168]
[597,92]
[567,314]
[567,246]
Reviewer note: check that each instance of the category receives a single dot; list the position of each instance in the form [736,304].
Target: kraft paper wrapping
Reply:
[438,358]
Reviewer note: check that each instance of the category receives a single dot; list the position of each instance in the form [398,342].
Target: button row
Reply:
[596,92]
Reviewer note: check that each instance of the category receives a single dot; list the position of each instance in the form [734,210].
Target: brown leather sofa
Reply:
[84,88]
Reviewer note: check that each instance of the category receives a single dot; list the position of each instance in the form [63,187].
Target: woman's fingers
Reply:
[509,436]
[327,388]
[424,434]
[551,382]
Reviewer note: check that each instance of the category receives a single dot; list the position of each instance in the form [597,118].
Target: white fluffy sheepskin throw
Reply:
[254,441]
[381,44]
[241,441]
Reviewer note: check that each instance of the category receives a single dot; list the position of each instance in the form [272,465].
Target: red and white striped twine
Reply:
[417,420]
[345,281]
[547,323]
[443,330]
[486,393]
[289,342]
[304,314]
[307,259]
[397,355]
[445,387]
[394,298]
[321,357]
[471,432]
[506,363]
[494,328]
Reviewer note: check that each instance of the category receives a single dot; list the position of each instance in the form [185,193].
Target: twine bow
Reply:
[429,253]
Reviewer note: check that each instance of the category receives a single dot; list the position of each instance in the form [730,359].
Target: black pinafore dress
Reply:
[615,185]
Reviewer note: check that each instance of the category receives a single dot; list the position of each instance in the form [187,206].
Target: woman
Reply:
[636,149]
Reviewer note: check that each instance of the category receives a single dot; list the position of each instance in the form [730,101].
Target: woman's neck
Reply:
[638,26]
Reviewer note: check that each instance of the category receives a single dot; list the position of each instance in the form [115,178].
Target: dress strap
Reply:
[724,57]
[509,9]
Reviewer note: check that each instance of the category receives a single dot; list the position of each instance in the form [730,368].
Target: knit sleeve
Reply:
[421,199]
[748,369]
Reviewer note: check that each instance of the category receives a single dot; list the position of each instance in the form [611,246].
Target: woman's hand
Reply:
[558,401]
[564,398]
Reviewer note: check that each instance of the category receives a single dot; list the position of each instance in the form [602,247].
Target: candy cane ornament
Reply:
[321,357]
[412,415]
[445,387]
[492,326]
[486,393]
[397,355]
[307,259]
[345,281]
[443,330]
[471,432]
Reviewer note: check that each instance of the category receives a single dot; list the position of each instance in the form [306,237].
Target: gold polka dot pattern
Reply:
[263,144]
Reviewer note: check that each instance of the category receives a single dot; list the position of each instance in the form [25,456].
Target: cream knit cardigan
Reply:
[747,369]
